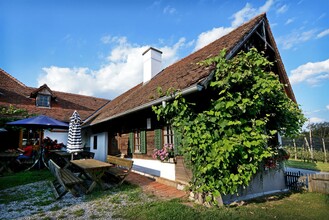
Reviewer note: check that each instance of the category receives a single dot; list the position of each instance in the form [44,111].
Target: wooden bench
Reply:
[65,180]
[121,168]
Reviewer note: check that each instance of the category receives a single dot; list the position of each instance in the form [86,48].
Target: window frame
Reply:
[137,141]
[168,136]
[43,101]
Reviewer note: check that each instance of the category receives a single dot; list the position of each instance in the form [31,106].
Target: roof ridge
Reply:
[13,78]
[193,52]
[69,93]
[182,74]
[127,94]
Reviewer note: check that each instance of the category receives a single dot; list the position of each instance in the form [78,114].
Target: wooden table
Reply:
[5,159]
[93,168]
[66,156]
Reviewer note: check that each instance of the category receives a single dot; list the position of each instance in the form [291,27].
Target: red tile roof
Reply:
[183,74]
[13,92]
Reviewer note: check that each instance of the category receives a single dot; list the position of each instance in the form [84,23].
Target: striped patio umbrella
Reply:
[74,142]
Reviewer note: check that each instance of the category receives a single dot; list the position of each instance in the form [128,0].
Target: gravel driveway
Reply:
[36,201]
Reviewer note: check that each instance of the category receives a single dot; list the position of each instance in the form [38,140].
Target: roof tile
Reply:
[13,92]
[180,75]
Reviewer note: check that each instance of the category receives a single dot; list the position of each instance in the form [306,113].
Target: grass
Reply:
[24,177]
[79,212]
[289,206]
[100,194]
[319,166]
[284,206]
[6,198]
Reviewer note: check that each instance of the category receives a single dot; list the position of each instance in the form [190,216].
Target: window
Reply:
[168,135]
[95,143]
[137,142]
[43,100]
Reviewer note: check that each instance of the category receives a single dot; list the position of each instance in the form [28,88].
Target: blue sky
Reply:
[94,47]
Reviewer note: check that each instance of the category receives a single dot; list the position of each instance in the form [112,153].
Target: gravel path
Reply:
[36,201]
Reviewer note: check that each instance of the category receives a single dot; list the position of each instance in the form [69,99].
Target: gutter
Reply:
[91,115]
[194,88]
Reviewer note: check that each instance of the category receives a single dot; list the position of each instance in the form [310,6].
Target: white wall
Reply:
[264,182]
[102,143]
[60,136]
[155,168]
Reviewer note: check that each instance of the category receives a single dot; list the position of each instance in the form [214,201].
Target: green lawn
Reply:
[24,177]
[289,206]
[284,206]
[319,166]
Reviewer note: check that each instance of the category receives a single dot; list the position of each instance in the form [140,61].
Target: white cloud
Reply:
[312,73]
[282,9]
[73,80]
[290,20]
[122,71]
[323,33]
[239,17]
[327,107]
[123,67]
[169,10]
[248,12]
[323,15]
[316,120]
[295,38]
[106,39]
[210,36]
[266,7]
[244,14]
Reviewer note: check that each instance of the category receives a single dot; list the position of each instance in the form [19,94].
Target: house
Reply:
[44,101]
[127,126]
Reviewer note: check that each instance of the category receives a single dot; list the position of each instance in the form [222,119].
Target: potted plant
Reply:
[166,154]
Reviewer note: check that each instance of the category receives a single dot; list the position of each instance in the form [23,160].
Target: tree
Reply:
[226,143]
[11,113]
[320,129]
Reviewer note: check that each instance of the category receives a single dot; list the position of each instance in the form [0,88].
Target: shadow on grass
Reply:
[268,198]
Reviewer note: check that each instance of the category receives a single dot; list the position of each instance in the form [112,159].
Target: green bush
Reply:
[304,154]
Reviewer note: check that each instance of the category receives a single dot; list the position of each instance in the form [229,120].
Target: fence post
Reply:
[324,150]
[309,149]
[311,142]
[293,140]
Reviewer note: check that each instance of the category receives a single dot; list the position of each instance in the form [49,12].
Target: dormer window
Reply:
[43,96]
[43,100]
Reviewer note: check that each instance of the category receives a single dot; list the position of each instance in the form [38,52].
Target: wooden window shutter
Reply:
[131,142]
[177,141]
[143,142]
[158,138]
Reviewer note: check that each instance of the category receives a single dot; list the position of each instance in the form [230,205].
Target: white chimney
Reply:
[151,63]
